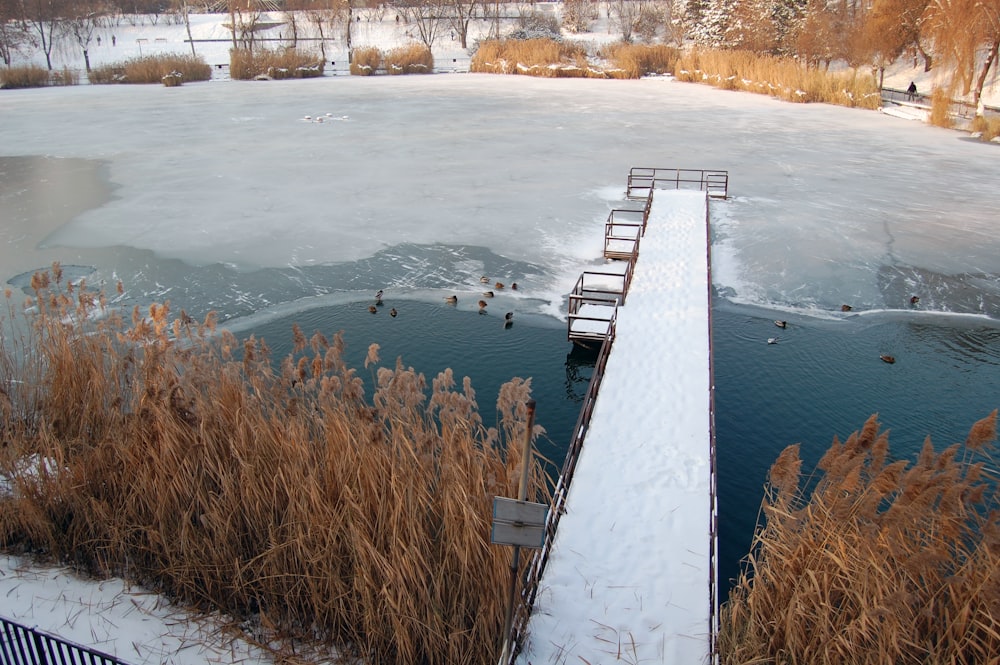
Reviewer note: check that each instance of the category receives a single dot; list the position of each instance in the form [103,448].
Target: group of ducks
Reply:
[884,357]
[508,318]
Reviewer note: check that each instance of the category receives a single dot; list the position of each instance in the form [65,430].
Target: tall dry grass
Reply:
[366,61]
[883,562]
[178,456]
[152,69]
[940,115]
[412,59]
[24,76]
[284,63]
[534,57]
[779,77]
[988,128]
[634,61]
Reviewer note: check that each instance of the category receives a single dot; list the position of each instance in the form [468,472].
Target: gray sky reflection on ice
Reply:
[224,190]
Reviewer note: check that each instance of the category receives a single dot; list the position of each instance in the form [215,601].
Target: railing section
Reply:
[622,232]
[642,180]
[20,645]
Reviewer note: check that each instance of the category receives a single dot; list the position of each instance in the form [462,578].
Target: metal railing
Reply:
[20,645]
[642,180]
[622,232]
[536,566]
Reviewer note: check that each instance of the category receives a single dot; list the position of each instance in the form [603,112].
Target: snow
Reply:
[629,574]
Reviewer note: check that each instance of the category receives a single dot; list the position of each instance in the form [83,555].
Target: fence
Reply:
[20,645]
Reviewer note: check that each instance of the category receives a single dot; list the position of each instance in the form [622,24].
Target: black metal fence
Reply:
[20,645]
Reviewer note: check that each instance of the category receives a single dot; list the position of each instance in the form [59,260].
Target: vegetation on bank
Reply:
[152,69]
[246,64]
[32,76]
[174,455]
[880,562]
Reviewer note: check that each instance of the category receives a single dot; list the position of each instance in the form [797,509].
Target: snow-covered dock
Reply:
[631,573]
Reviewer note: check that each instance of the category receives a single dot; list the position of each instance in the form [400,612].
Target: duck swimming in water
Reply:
[393,312]
[886,358]
[378,297]
[372,308]
[781,324]
[487,294]
[914,300]
[508,319]
[772,340]
[482,306]
[484,279]
[451,300]
[846,308]
[498,286]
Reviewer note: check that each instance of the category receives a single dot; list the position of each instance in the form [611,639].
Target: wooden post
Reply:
[522,493]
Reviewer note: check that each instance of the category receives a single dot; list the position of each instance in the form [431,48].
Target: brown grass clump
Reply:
[883,562]
[25,76]
[637,60]
[412,59]
[366,61]
[940,115]
[285,63]
[988,128]
[783,78]
[152,69]
[179,457]
[534,57]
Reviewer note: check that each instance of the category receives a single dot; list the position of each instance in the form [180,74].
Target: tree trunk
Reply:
[981,81]
[187,24]
[86,60]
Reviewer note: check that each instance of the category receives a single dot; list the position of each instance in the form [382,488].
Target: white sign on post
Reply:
[519,523]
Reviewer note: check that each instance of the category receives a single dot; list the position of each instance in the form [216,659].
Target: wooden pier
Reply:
[589,594]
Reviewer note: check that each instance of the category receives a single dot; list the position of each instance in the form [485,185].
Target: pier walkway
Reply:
[630,573]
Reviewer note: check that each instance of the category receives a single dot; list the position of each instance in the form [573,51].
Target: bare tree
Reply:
[80,21]
[460,15]
[426,17]
[13,30]
[44,17]
[185,10]
[625,15]
[577,15]
[963,31]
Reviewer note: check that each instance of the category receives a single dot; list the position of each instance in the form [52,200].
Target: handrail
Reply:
[536,565]
[20,645]
[642,180]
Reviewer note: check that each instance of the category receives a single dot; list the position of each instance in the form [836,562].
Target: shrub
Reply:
[779,77]
[26,76]
[173,79]
[882,562]
[365,61]
[64,76]
[988,128]
[276,492]
[284,63]
[152,69]
[940,115]
[413,59]
[533,57]
[637,60]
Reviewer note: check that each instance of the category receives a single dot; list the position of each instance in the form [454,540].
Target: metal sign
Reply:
[519,523]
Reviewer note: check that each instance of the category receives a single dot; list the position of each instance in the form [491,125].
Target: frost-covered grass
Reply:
[783,78]
[152,69]
[411,59]
[283,63]
[366,61]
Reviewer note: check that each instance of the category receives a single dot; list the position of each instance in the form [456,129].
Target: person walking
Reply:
[911,92]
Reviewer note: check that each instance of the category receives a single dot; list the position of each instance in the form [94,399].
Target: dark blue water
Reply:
[433,337]
[823,379]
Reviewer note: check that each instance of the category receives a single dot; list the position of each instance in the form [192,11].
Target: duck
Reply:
[372,308]
[482,305]
[393,312]
[914,300]
[513,287]
[498,286]
[772,340]
[781,324]
[886,358]
[508,319]
[846,308]
[378,297]
[484,279]
[487,294]
[451,300]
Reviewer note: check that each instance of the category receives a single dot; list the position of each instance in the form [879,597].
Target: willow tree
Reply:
[966,38]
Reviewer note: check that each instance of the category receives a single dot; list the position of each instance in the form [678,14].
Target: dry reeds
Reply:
[182,458]
[284,63]
[152,69]
[987,128]
[534,57]
[940,115]
[779,77]
[24,76]
[412,59]
[366,61]
[637,60]
[883,562]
